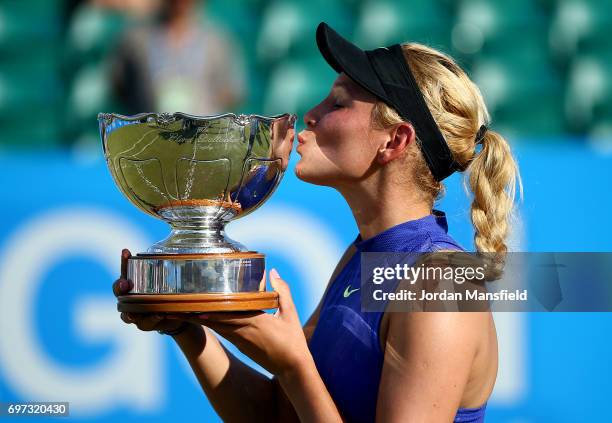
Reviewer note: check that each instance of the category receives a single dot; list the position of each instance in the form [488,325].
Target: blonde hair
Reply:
[459,110]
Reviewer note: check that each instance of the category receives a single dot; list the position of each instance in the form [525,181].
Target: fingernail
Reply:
[274,274]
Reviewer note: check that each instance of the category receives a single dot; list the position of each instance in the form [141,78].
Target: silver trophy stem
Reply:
[205,238]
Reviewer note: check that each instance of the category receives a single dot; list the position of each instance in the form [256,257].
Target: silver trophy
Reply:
[197,173]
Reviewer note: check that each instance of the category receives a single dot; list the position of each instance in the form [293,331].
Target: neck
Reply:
[378,206]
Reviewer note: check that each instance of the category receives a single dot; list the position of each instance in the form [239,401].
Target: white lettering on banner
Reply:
[131,374]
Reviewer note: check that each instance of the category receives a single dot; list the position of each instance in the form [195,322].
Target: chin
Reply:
[312,177]
[300,173]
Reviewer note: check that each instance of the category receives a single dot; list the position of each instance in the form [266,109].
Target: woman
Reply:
[398,120]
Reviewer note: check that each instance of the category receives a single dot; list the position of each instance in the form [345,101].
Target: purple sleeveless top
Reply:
[345,344]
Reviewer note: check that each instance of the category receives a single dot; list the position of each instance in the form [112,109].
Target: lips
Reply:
[301,139]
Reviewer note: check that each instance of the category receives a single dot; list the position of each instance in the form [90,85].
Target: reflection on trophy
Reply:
[197,173]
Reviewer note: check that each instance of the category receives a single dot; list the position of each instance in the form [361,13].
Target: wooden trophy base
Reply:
[197,303]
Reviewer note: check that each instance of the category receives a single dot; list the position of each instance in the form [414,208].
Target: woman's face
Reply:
[338,144]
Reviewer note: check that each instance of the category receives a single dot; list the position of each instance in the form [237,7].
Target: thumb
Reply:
[285,301]
[125,255]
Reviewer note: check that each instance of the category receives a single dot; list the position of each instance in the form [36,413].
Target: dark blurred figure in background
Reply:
[179,62]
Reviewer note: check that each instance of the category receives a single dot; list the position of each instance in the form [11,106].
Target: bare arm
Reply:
[286,410]
[427,362]
[237,391]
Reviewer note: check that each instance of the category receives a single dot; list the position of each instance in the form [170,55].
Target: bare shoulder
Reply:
[433,330]
[467,326]
[459,349]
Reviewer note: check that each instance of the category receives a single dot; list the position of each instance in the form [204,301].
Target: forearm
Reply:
[308,394]
[236,391]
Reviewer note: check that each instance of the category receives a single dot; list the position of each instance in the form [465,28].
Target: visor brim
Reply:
[344,56]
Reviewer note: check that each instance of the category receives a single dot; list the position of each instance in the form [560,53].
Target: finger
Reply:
[240,318]
[148,322]
[230,332]
[122,287]
[286,306]
[126,318]
[185,317]
[231,316]
[190,318]
[263,282]
[125,255]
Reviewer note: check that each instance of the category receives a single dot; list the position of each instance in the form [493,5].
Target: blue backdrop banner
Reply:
[63,225]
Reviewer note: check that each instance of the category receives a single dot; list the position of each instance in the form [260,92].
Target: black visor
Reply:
[385,73]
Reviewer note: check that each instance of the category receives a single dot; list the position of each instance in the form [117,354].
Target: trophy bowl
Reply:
[197,173]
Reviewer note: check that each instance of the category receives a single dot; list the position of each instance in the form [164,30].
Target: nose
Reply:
[309,119]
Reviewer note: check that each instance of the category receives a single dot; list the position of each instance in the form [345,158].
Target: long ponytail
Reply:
[457,105]
[493,175]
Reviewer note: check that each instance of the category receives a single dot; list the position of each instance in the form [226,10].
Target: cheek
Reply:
[343,141]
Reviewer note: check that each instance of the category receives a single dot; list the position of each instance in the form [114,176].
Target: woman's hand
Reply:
[143,321]
[275,341]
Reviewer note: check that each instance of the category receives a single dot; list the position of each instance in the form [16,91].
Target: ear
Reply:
[399,139]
